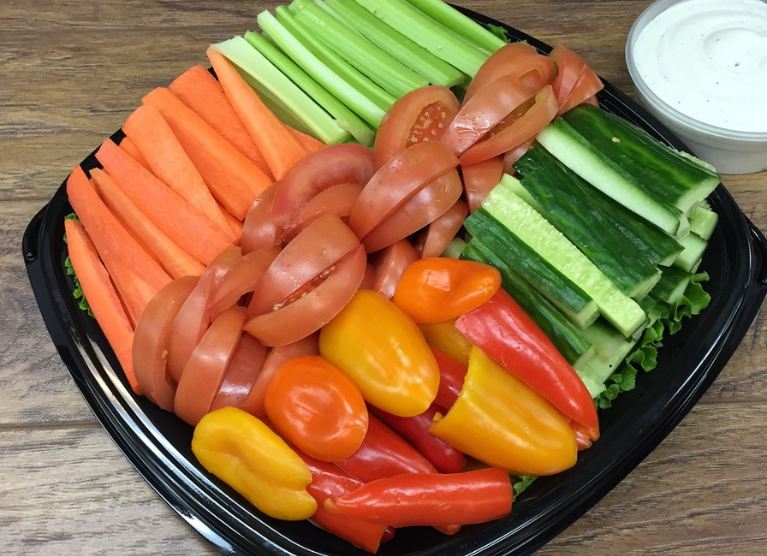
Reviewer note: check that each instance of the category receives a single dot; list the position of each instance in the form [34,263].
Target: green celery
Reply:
[345,118]
[399,47]
[242,54]
[462,25]
[355,90]
[381,68]
[433,36]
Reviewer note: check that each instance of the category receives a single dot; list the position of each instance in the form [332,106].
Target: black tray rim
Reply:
[227,523]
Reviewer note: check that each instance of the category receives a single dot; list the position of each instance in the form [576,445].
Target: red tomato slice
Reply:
[480,179]
[397,181]
[391,262]
[194,316]
[205,371]
[254,403]
[330,166]
[368,281]
[587,86]
[523,129]
[420,115]
[311,253]
[491,104]
[416,213]
[151,339]
[592,100]
[441,232]
[246,364]
[518,59]
[338,199]
[569,67]
[244,277]
[311,311]
[260,229]
[317,407]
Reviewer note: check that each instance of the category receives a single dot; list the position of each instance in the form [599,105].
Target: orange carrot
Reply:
[201,92]
[168,161]
[234,224]
[174,260]
[278,146]
[309,143]
[194,233]
[130,147]
[102,297]
[232,178]
[136,274]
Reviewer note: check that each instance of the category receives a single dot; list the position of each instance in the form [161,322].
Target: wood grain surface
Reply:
[71,72]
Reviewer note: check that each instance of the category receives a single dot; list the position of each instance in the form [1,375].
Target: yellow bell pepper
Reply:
[445,337]
[382,351]
[502,422]
[247,455]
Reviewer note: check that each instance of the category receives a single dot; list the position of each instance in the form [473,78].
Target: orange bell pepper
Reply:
[438,289]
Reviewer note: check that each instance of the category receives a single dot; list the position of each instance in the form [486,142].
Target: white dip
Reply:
[708,60]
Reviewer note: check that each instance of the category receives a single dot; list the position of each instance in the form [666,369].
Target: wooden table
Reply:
[71,73]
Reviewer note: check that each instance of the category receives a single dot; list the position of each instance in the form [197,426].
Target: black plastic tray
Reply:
[158,444]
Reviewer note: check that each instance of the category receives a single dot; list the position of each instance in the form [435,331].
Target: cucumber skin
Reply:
[561,195]
[528,264]
[660,170]
[652,242]
[566,336]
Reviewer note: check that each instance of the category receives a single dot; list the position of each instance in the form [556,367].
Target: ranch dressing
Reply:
[708,60]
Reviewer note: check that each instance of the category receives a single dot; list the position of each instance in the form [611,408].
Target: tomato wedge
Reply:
[260,229]
[398,180]
[254,403]
[390,263]
[337,199]
[479,179]
[417,212]
[244,277]
[205,371]
[420,115]
[317,407]
[586,88]
[151,339]
[441,231]
[518,59]
[346,163]
[490,105]
[513,155]
[194,316]
[310,254]
[310,312]
[568,67]
[247,362]
[523,129]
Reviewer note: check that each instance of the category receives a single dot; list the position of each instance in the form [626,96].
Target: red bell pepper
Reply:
[451,377]
[384,453]
[415,430]
[436,500]
[512,339]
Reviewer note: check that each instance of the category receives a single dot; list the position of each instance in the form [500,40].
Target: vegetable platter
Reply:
[159,444]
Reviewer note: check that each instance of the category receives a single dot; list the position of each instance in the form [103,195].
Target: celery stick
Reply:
[455,20]
[356,91]
[433,36]
[251,61]
[381,68]
[345,118]
[395,43]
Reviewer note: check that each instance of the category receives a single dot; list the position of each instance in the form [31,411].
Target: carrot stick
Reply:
[201,92]
[232,178]
[168,161]
[279,148]
[136,274]
[234,224]
[102,297]
[309,143]
[176,262]
[194,233]
[130,147]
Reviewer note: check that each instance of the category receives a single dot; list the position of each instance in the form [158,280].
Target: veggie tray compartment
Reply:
[158,443]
